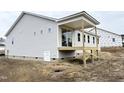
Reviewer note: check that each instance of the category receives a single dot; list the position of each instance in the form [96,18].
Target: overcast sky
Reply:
[111,21]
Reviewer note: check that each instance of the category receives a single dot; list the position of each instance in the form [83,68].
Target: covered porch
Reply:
[76,25]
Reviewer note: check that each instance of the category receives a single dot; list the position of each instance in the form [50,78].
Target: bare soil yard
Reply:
[110,67]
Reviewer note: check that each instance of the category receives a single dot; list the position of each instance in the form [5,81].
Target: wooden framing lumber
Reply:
[76,48]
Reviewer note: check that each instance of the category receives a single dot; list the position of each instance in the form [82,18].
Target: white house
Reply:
[40,37]
[2,45]
[108,39]
[122,36]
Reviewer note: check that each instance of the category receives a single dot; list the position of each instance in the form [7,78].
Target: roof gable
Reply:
[108,31]
[83,13]
[32,14]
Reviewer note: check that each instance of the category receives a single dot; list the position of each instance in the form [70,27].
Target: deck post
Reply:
[92,56]
[97,54]
[84,57]
[97,41]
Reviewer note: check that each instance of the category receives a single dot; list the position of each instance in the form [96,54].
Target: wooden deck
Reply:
[86,55]
[76,48]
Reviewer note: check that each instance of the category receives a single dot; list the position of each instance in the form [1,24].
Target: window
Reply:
[41,31]
[113,39]
[49,30]
[67,38]
[34,33]
[12,41]
[2,45]
[93,40]
[78,37]
[88,37]
[84,39]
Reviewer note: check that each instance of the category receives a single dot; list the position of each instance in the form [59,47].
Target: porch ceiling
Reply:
[78,24]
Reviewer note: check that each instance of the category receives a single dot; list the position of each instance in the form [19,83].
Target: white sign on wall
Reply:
[46,55]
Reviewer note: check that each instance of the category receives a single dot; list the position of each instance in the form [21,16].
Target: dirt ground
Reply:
[109,68]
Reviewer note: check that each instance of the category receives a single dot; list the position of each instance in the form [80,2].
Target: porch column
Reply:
[84,59]
[92,56]
[96,42]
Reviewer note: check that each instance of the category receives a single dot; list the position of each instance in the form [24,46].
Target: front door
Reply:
[67,39]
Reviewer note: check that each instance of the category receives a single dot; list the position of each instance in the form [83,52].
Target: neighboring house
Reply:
[41,37]
[2,45]
[108,39]
[122,40]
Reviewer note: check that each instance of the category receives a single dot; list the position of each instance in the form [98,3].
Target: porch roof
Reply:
[78,20]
